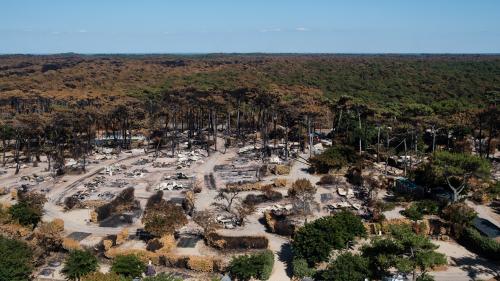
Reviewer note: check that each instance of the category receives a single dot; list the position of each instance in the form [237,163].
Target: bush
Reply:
[71,244]
[484,246]
[124,200]
[15,260]
[280,182]
[98,276]
[237,242]
[257,266]
[24,214]
[347,267]
[128,266]
[314,241]
[328,179]
[418,209]
[202,264]
[301,269]
[334,157]
[163,218]
[79,263]
[163,277]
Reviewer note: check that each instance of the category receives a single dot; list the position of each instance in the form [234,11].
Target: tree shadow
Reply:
[285,255]
[495,205]
[477,266]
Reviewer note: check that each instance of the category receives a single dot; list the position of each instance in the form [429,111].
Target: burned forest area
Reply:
[249,167]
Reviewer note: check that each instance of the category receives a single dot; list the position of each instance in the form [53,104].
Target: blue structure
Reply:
[405,186]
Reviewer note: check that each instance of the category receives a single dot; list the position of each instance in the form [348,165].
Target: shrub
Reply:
[15,260]
[301,269]
[314,241]
[484,246]
[280,182]
[347,267]
[202,264]
[237,242]
[163,277]
[281,170]
[122,236]
[124,200]
[79,263]
[163,218]
[98,276]
[257,266]
[71,244]
[128,266]
[418,209]
[49,234]
[413,213]
[24,214]
[334,157]
[328,179]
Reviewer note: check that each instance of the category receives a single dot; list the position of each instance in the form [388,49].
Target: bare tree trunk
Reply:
[378,144]
[359,122]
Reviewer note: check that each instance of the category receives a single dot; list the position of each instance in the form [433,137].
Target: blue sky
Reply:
[191,26]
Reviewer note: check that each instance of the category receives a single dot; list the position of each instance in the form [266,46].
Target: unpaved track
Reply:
[76,220]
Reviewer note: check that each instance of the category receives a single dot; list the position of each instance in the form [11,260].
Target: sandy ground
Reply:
[464,265]
[485,212]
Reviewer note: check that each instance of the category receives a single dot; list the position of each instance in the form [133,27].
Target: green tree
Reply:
[314,241]
[24,214]
[128,266]
[79,263]
[334,157]
[347,267]
[404,250]
[301,268]
[452,170]
[460,215]
[257,266]
[15,260]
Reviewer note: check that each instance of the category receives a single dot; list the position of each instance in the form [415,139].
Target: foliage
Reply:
[420,208]
[444,163]
[459,213]
[163,277]
[128,266]
[98,276]
[49,234]
[200,263]
[163,218]
[482,245]
[347,267]
[334,157]
[404,250]
[302,194]
[15,260]
[258,266]
[314,241]
[123,201]
[79,263]
[301,269]
[25,214]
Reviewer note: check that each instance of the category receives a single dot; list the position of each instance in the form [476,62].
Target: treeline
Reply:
[387,105]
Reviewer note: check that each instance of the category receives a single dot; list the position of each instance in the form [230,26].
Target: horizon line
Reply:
[249,53]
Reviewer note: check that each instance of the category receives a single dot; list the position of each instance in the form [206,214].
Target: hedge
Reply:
[258,266]
[482,245]
[301,269]
[237,242]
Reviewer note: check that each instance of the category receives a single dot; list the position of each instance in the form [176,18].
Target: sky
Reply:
[271,26]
